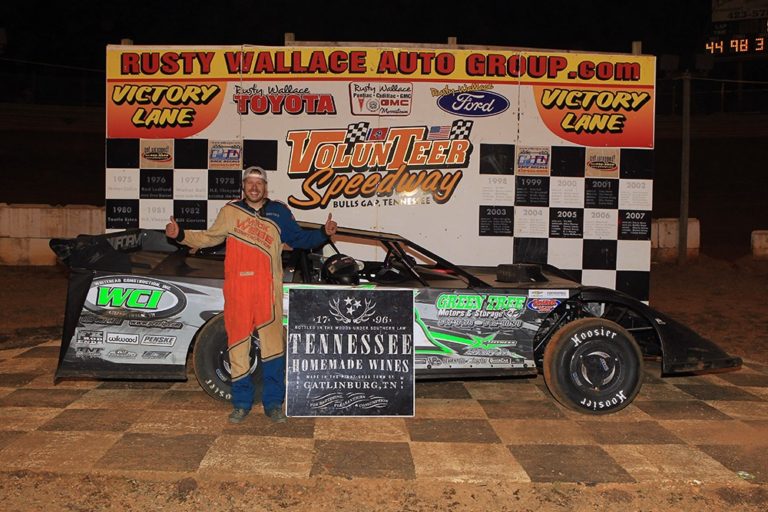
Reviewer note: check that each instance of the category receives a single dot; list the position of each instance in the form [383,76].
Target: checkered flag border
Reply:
[356,133]
[460,129]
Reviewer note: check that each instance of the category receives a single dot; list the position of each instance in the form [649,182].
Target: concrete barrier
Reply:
[760,245]
[665,236]
[26,229]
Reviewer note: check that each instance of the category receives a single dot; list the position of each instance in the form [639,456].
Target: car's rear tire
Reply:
[212,361]
[593,366]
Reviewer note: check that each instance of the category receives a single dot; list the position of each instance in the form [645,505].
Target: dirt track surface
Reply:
[692,443]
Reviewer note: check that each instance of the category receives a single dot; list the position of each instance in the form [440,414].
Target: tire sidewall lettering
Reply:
[597,405]
[219,392]
[584,336]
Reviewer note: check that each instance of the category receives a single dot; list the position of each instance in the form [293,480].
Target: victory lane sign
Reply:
[350,352]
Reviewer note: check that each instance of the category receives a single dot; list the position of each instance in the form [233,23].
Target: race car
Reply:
[139,306]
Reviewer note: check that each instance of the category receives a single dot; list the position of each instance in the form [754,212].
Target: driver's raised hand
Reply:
[330,225]
[172,229]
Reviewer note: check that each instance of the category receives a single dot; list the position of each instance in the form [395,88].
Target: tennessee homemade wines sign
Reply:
[350,352]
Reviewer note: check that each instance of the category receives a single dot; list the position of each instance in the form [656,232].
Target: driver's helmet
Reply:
[340,269]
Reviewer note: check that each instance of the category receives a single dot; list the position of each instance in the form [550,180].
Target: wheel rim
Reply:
[224,370]
[596,368]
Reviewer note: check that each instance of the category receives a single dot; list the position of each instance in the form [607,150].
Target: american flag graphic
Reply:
[439,132]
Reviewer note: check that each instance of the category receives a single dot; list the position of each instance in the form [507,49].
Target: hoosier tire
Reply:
[593,366]
[212,362]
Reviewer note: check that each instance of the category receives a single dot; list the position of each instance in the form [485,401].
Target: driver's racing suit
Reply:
[253,289]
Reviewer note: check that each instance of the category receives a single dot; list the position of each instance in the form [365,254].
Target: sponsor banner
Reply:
[88,352]
[473,100]
[475,310]
[602,163]
[128,320]
[158,340]
[225,154]
[532,161]
[155,354]
[178,92]
[543,305]
[122,337]
[320,159]
[380,98]
[121,353]
[89,337]
[282,99]
[156,154]
[507,151]
[597,116]
[548,294]
[350,352]
[481,329]
[235,63]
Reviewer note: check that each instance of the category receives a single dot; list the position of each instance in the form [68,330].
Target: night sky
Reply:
[76,33]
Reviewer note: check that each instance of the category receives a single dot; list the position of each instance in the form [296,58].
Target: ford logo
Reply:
[474,104]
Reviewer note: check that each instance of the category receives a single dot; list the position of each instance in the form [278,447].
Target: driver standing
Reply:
[255,229]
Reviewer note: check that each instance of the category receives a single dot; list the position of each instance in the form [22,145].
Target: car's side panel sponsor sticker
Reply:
[134,297]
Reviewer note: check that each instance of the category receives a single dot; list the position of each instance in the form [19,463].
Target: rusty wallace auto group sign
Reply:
[350,352]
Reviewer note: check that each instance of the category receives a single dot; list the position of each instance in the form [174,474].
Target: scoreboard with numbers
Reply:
[738,45]
[739,29]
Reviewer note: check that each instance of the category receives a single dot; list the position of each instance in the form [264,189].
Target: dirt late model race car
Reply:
[141,307]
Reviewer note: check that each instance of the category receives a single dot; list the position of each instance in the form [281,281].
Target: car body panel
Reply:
[136,302]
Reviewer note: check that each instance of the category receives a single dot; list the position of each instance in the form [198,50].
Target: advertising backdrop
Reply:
[484,156]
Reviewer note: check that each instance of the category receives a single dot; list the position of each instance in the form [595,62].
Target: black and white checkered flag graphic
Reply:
[460,129]
[356,133]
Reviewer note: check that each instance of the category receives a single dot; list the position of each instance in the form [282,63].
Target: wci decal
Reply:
[134,297]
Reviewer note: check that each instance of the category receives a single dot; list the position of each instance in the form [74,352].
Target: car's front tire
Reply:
[593,366]
[212,361]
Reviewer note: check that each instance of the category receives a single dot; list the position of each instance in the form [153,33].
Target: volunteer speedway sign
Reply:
[525,154]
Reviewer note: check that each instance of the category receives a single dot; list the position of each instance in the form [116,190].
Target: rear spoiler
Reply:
[109,251]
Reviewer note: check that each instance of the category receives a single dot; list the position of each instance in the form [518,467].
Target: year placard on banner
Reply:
[350,352]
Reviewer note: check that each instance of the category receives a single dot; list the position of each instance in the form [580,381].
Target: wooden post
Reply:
[685,172]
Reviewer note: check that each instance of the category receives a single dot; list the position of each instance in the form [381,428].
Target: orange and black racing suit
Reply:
[253,289]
